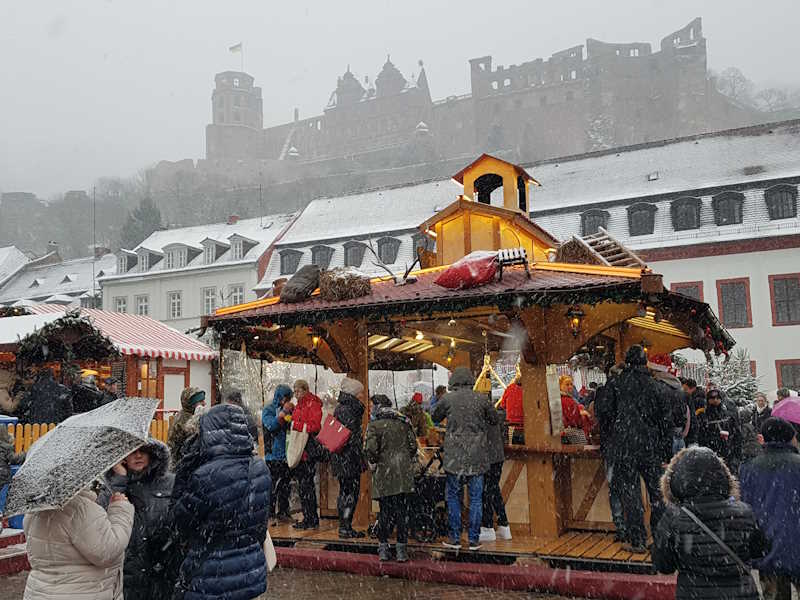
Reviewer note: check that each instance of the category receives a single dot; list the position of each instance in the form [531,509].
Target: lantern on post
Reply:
[575,316]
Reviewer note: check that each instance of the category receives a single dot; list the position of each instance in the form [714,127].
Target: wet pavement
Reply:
[292,584]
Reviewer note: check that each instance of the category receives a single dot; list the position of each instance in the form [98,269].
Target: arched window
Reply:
[321,256]
[781,201]
[354,253]
[387,250]
[592,220]
[641,218]
[685,213]
[485,185]
[290,260]
[727,208]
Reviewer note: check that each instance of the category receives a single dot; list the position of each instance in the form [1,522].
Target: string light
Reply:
[420,336]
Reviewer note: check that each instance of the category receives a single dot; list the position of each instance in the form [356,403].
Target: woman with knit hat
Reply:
[348,463]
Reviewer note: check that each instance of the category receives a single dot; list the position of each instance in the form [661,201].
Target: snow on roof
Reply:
[67,278]
[262,231]
[367,213]
[11,259]
[12,329]
[708,160]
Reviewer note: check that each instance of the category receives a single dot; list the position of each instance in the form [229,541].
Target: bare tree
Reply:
[772,99]
[733,84]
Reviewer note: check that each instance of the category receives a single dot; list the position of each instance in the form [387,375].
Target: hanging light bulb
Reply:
[452,322]
[315,341]
[420,336]
[452,342]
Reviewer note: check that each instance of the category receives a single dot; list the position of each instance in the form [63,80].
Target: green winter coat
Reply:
[391,450]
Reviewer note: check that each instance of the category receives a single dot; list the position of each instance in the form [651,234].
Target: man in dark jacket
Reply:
[150,571]
[469,417]
[220,508]
[771,485]
[720,430]
[492,497]
[111,392]
[391,450]
[698,481]
[346,464]
[605,414]
[641,442]
[48,401]
[696,401]
[761,411]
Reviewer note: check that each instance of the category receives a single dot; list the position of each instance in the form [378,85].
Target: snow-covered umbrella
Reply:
[789,409]
[68,458]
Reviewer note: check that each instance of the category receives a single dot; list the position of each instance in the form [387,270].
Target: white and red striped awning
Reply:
[140,336]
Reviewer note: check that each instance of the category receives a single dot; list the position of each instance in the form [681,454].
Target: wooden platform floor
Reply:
[572,547]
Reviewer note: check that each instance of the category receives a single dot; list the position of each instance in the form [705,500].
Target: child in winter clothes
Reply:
[698,485]
[7,458]
[275,422]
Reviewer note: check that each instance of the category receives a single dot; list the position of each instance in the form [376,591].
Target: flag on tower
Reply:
[236,48]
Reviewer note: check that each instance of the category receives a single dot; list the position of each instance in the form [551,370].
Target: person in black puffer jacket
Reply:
[720,430]
[149,572]
[698,480]
[220,508]
[347,464]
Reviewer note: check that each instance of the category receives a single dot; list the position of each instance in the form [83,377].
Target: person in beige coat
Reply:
[77,552]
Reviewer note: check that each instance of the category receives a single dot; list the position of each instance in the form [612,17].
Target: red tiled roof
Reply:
[425,292]
[140,336]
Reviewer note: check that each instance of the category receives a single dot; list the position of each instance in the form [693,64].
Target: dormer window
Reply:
[781,201]
[36,283]
[387,250]
[144,262]
[209,254]
[592,220]
[122,264]
[240,246]
[685,213]
[175,258]
[321,256]
[237,250]
[727,208]
[290,260]
[354,253]
[641,218]
[67,279]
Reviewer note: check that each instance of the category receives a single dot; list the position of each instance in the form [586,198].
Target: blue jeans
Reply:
[455,495]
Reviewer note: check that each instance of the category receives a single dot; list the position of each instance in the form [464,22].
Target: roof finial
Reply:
[420,63]
[348,68]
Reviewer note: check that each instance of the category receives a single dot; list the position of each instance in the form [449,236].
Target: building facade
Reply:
[716,214]
[179,275]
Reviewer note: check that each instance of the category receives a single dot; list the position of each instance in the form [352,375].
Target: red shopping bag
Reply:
[333,434]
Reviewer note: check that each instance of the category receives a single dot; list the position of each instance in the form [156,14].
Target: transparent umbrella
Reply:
[77,451]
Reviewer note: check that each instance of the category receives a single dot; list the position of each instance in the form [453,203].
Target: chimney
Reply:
[233,219]
[296,115]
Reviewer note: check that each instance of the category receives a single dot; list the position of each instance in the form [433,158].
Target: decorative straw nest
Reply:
[343,284]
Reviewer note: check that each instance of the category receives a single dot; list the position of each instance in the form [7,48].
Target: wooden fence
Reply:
[25,435]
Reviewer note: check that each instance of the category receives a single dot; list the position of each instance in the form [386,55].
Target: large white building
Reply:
[178,275]
[716,214]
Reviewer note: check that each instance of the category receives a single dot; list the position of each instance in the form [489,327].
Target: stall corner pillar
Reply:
[548,474]
[351,336]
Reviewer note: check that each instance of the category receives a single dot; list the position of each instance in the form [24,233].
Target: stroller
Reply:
[428,511]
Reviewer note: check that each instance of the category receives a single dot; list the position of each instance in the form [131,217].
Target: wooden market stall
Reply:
[555,493]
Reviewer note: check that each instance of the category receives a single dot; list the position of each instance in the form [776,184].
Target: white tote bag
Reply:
[296,446]
[269,552]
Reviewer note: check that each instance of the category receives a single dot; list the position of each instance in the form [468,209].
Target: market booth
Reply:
[147,357]
[552,301]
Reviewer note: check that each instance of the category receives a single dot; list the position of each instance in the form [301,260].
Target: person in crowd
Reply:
[641,441]
[149,572]
[469,417]
[111,391]
[438,394]
[420,420]
[699,488]
[191,399]
[48,401]
[7,458]
[276,420]
[696,400]
[719,429]
[605,414]
[762,411]
[771,486]
[574,416]
[220,506]
[751,447]
[234,397]
[782,394]
[85,394]
[678,401]
[493,504]
[391,450]
[308,414]
[347,464]
[77,552]
[511,403]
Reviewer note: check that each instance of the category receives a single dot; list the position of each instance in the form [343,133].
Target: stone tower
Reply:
[236,117]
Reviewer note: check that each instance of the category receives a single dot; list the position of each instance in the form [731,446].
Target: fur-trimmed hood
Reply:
[695,474]
[159,463]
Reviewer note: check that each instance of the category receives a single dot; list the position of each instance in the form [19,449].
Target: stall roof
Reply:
[131,334]
[13,329]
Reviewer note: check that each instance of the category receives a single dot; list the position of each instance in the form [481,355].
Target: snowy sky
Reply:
[101,87]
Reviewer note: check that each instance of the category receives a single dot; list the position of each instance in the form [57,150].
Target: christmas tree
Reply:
[734,377]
